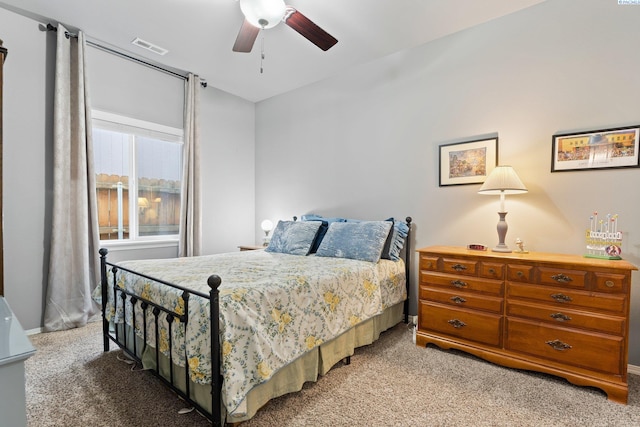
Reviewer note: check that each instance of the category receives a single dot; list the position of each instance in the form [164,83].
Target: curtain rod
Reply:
[182,75]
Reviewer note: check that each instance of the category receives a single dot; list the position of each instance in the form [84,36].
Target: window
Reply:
[138,168]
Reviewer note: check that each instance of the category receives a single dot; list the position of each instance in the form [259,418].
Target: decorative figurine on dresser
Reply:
[603,238]
[564,315]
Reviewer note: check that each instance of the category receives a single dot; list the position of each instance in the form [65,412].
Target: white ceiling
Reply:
[199,34]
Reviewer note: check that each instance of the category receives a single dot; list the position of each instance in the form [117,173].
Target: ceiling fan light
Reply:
[263,13]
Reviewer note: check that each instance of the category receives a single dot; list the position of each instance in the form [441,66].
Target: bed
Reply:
[287,313]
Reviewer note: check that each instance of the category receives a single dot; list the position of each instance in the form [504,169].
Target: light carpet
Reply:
[71,382]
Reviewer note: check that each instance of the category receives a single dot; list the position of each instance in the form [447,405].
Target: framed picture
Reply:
[467,162]
[598,149]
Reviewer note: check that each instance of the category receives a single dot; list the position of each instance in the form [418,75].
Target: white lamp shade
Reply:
[263,13]
[502,180]
[266,225]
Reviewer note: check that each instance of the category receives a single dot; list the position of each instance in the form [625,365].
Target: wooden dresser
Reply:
[564,315]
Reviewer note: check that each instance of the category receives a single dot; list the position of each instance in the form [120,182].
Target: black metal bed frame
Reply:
[214,281]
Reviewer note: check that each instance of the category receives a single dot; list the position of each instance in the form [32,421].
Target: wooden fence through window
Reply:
[158,206]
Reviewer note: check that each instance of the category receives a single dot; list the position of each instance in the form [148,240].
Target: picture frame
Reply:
[468,162]
[596,149]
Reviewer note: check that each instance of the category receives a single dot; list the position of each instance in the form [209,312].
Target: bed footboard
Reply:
[128,342]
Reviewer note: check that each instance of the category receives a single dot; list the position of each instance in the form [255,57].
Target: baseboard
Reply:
[633,369]
[34,331]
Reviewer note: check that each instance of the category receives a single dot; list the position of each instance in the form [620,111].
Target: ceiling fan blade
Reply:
[246,37]
[308,29]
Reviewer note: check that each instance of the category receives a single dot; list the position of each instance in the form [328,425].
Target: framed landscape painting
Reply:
[599,149]
[467,162]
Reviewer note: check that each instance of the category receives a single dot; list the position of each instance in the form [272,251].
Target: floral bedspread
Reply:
[273,308]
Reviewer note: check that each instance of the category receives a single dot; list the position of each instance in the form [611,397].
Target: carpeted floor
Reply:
[71,382]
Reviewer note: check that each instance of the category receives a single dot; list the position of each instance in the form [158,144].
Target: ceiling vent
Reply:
[149,46]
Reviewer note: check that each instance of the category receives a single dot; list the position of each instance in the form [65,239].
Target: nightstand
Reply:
[250,247]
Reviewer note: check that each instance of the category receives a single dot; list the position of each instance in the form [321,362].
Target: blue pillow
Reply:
[355,240]
[323,227]
[395,242]
[293,237]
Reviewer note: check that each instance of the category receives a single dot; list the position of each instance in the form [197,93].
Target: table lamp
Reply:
[501,181]
[266,226]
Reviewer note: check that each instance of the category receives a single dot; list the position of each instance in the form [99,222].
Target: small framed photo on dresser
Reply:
[597,149]
[467,162]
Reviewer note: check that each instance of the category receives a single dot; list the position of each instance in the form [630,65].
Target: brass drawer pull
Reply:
[609,284]
[561,297]
[458,300]
[562,278]
[459,267]
[456,323]
[560,317]
[559,345]
[459,283]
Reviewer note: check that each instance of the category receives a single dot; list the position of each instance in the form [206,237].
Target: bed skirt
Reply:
[291,377]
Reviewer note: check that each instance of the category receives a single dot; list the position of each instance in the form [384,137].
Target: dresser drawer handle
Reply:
[459,283]
[458,300]
[519,274]
[562,278]
[459,267]
[457,323]
[560,317]
[561,297]
[609,284]
[559,345]
[492,271]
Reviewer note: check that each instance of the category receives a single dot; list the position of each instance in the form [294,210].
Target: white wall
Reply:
[227,149]
[365,143]
[150,95]
[27,160]
[228,171]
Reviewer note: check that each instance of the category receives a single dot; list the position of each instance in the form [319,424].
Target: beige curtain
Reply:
[191,208]
[73,262]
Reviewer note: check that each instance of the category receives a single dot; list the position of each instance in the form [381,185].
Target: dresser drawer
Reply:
[470,325]
[567,318]
[569,298]
[460,266]
[520,273]
[608,282]
[491,270]
[462,299]
[596,352]
[470,284]
[428,262]
[565,278]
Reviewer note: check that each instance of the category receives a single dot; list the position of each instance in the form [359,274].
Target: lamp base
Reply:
[502,232]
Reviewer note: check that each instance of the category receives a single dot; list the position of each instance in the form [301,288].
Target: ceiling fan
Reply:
[264,14]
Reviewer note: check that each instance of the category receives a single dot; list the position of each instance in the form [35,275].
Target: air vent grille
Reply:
[149,46]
